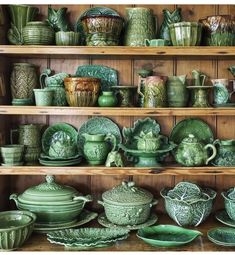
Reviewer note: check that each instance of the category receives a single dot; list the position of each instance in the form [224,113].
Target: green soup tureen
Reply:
[51,202]
[127,204]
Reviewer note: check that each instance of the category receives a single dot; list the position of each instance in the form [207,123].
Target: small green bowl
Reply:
[15,228]
[67,38]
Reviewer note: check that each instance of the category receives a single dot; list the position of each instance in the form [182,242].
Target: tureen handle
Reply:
[100,202]
[155,201]
[213,152]
[87,198]
[15,198]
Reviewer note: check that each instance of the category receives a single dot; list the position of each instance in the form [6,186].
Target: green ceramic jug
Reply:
[191,152]
[177,93]
[96,148]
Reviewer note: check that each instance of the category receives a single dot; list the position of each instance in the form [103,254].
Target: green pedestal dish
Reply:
[223,236]
[51,202]
[167,235]
[127,204]
[15,228]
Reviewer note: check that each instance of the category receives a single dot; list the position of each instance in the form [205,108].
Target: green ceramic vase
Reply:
[177,93]
[107,99]
[20,15]
[96,148]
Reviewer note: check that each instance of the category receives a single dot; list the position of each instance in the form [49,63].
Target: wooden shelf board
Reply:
[102,170]
[117,50]
[115,111]
[38,242]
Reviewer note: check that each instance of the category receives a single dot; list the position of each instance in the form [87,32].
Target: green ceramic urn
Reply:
[127,204]
[191,152]
[54,204]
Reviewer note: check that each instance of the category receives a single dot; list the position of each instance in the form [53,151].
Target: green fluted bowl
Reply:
[15,228]
[185,33]
[63,38]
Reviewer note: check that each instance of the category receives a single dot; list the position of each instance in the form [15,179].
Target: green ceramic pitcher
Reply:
[177,93]
[96,148]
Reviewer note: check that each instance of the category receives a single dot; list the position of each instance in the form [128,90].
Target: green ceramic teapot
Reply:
[148,141]
[96,148]
[191,152]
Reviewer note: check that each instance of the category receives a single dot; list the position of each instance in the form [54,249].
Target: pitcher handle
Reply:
[217,141]
[139,85]
[147,42]
[203,76]
[12,131]
[43,76]
[213,154]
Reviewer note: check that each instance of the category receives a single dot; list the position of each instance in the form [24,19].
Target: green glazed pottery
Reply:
[12,154]
[177,93]
[60,141]
[127,204]
[155,93]
[218,30]
[223,217]
[225,152]
[67,38]
[88,237]
[169,18]
[20,15]
[38,33]
[140,25]
[185,33]
[23,80]
[32,154]
[84,217]
[197,127]
[155,42]
[58,20]
[54,204]
[59,162]
[22,102]
[96,148]
[102,219]
[99,125]
[108,76]
[191,152]
[186,211]
[114,159]
[167,235]
[15,228]
[107,99]
[229,202]
[223,236]
[43,97]
[125,95]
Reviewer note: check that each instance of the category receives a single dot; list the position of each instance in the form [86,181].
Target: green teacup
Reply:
[12,153]
[43,97]
[155,42]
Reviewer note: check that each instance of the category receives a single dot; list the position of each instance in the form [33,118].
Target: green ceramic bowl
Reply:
[12,153]
[185,33]
[67,38]
[15,228]
[167,235]
[229,204]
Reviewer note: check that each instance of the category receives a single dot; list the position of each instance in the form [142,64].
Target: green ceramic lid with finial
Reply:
[127,194]
[50,193]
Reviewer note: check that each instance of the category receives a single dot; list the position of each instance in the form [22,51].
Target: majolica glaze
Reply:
[189,212]
[229,202]
[224,236]
[169,18]
[125,95]
[57,19]
[191,152]
[127,204]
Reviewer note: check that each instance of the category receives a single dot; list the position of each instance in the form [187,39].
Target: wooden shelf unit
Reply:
[214,61]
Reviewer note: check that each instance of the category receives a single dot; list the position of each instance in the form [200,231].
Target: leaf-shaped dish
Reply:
[197,127]
[108,76]
[167,235]
[58,132]
[88,235]
[224,236]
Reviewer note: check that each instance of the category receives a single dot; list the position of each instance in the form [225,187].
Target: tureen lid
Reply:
[127,193]
[48,193]
[190,139]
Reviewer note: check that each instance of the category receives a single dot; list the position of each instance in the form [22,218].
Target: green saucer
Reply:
[223,236]
[223,217]
[70,162]
[22,102]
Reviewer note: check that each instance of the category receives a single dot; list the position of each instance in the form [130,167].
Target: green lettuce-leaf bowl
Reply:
[167,235]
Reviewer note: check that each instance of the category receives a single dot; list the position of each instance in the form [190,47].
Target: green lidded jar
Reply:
[127,204]
[38,33]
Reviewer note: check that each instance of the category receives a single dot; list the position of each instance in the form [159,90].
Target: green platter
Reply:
[55,131]
[46,157]
[223,236]
[197,127]
[98,125]
[70,162]
[223,217]
[108,76]
[167,235]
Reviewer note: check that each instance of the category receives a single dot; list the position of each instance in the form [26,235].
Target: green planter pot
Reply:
[67,38]
[43,97]
[12,153]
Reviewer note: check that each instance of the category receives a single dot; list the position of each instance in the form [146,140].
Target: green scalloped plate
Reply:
[223,236]
[197,127]
[223,217]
